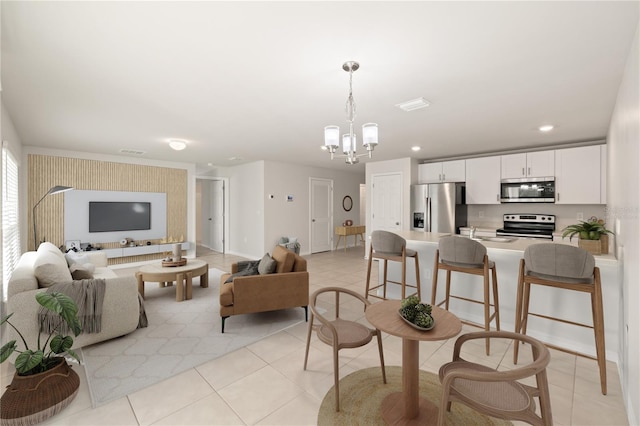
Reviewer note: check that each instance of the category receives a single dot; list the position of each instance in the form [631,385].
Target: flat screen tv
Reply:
[108,216]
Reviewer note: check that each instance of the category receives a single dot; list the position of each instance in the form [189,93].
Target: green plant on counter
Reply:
[36,361]
[591,230]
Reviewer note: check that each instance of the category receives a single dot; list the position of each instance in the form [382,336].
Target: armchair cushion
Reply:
[284,258]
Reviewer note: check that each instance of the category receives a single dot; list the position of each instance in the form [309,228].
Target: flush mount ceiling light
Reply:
[369,130]
[546,128]
[415,148]
[177,144]
[413,104]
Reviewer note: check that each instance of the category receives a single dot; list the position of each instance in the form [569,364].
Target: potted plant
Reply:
[592,235]
[44,383]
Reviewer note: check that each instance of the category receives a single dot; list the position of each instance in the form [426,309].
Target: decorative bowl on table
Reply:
[416,314]
[416,326]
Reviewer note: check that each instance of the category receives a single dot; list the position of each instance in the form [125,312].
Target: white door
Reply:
[386,202]
[321,209]
[217,216]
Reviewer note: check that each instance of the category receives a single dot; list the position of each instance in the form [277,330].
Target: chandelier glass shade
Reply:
[349,140]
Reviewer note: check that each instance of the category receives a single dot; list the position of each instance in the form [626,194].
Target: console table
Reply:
[344,231]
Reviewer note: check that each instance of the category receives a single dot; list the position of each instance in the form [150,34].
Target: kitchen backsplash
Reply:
[490,215]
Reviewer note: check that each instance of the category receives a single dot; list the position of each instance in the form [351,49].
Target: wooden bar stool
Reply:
[461,254]
[389,246]
[569,268]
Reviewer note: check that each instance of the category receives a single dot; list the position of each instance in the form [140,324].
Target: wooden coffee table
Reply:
[407,407]
[182,275]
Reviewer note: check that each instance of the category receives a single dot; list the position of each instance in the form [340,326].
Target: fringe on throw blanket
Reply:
[142,320]
[88,295]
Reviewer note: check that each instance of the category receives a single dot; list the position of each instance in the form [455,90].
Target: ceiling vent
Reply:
[132,151]
[413,104]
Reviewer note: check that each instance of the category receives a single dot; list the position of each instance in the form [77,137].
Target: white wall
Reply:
[292,219]
[623,196]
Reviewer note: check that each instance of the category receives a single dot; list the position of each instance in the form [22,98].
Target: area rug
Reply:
[362,392]
[180,336]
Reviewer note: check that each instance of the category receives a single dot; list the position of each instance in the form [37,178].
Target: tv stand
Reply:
[142,250]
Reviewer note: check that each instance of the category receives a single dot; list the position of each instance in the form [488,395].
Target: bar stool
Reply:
[389,246]
[569,268]
[461,254]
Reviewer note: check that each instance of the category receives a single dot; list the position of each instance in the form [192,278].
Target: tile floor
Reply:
[264,383]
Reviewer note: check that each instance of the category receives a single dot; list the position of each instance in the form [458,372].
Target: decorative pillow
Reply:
[82,272]
[50,248]
[267,265]
[50,268]
[284,258]
[76,258]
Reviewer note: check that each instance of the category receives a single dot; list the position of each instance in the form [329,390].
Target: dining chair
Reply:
[565,267]
[340,333]
[464,255]
[388,246]
[496,393]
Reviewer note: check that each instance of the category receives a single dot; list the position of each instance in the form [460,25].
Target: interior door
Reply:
[217,216]
[321,209]
[386,202]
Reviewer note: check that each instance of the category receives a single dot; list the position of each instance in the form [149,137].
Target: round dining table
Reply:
[408,407]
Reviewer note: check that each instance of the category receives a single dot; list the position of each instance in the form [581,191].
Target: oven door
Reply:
[528,190]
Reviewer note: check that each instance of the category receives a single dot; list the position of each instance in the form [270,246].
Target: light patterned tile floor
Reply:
[264,383]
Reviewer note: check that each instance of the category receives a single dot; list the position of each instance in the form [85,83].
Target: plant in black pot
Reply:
[44,383]
[589,232]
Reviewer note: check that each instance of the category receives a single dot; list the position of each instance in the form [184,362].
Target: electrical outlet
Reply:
[480,213]
[580,216]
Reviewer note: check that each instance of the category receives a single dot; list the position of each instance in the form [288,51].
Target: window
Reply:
[10,225]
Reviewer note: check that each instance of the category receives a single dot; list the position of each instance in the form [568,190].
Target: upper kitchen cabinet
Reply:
[603,174]
[529,164]
[483,180]
[444,171]
[578,172]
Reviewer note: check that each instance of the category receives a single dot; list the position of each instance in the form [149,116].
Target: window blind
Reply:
[10,225]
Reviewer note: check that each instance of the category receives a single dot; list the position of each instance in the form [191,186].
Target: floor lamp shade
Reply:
[54,190]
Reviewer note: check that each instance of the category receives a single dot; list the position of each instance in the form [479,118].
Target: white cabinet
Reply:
[483,180]
[578,175]
[141,250]
[529,164]
[445,171]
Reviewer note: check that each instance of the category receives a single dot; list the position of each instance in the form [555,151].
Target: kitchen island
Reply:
[570,305]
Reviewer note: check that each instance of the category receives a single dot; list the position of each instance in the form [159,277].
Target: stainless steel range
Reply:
[528,226]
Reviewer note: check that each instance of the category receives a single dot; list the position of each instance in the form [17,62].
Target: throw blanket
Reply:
[88,295]
[245,268]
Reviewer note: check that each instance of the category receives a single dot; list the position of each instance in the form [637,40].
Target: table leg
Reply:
[204,278]
[188,285]
[338,242]
[407,407]
[140,283]
[179,287]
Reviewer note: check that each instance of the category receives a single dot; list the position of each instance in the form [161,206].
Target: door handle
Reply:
[313,220]
[397,223]
[523,171]
[529,171]
[428,214]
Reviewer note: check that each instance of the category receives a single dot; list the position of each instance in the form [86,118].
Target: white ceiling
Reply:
[261,80]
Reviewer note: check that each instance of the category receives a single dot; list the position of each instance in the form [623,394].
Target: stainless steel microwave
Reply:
[528,190]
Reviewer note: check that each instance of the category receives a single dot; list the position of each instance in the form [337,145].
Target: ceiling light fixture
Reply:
[369,130]
[413,104]
[177,144]
[415,148]
[546,128]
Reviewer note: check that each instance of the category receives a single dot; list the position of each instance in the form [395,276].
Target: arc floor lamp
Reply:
[54,190]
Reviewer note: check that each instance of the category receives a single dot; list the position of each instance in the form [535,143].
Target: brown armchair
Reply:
[287,288]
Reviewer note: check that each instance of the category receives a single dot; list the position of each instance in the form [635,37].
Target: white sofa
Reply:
[121,308]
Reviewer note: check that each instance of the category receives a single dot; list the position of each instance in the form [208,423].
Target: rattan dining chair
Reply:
[565,267]
[340,333]
[498,393]
[463,255]
[388,246]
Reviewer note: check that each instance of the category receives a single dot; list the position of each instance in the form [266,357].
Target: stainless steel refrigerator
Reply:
[438,207]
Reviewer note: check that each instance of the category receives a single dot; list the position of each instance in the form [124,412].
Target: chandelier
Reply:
[369,130]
